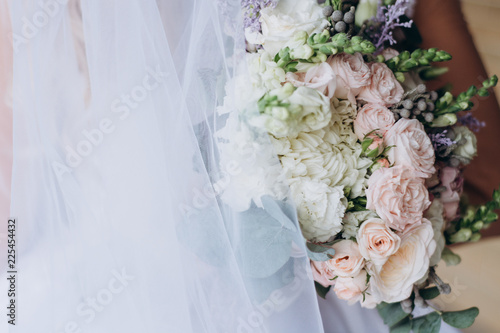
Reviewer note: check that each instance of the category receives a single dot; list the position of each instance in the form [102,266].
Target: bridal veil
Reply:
[126,172]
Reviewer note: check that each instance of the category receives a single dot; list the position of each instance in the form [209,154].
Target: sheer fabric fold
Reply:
[126,164]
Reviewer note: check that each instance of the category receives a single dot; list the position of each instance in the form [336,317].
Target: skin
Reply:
[482,176]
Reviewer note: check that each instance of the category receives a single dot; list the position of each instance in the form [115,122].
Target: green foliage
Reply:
[319,252]
[463,100]
[391,313]
[429,293]
[322,291]
[407,61]
[430,323]
[461,319]
[475,219]
[324,45]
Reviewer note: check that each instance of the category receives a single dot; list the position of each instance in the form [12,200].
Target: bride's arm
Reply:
[443,25]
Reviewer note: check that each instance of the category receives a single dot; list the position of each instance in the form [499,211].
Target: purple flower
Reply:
[440,141]
[471,122]
[388,17]
[252,10]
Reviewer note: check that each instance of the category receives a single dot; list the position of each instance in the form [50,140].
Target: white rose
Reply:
[352,220]
[435,215]
[315,109]
[393,282]
[280,24]
[320,208]
[298,110]
[376,241]
[467,142]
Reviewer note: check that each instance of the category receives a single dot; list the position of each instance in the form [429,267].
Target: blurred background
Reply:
[476,281]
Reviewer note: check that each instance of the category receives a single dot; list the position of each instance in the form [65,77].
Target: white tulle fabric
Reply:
[114,164]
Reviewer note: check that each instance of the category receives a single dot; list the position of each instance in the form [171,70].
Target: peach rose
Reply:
[320,77]
[452,180]
[373,117]
[393,282]
[352,75]
[351,288]
[347,261]
[413,148]
[398,196]
[383,88]
[376,241]
[322,273]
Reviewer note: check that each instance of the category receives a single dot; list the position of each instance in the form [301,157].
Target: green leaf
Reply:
[322,291]
[429,293]
[403,326]
[430,323]
[461,319]
[319,253]
[391,313]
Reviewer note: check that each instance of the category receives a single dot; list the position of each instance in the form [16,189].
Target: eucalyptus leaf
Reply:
[461,319]
[391,313]
[319,253]
[322,291]
[429,293]
[404,326]
[430,323]
[264,241]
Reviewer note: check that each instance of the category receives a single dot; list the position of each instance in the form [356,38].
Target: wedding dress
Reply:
[117,173]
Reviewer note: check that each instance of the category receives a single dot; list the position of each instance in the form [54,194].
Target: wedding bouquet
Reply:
[372,157]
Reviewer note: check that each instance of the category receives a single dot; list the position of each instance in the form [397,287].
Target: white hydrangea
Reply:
[330,155]
[249,166]
[320,208]
[352,221]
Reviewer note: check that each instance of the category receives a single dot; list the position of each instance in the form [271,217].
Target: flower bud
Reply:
[450,258]
[445,120]
[475,237]
[478,226]
[302,52]
[365,11]
[463,235]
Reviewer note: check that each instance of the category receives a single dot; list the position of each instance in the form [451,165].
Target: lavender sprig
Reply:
[471,122]
[440,140]
[389,19]
[252,10]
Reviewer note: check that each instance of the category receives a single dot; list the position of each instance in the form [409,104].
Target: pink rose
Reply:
[351,288]
[322,273]
[383,162]
[452,179]
[321,77]
[413,148]
[373,117]
[383,88]
[347,261]
[389,53]
[398,196]
[352,75]
[376,241]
